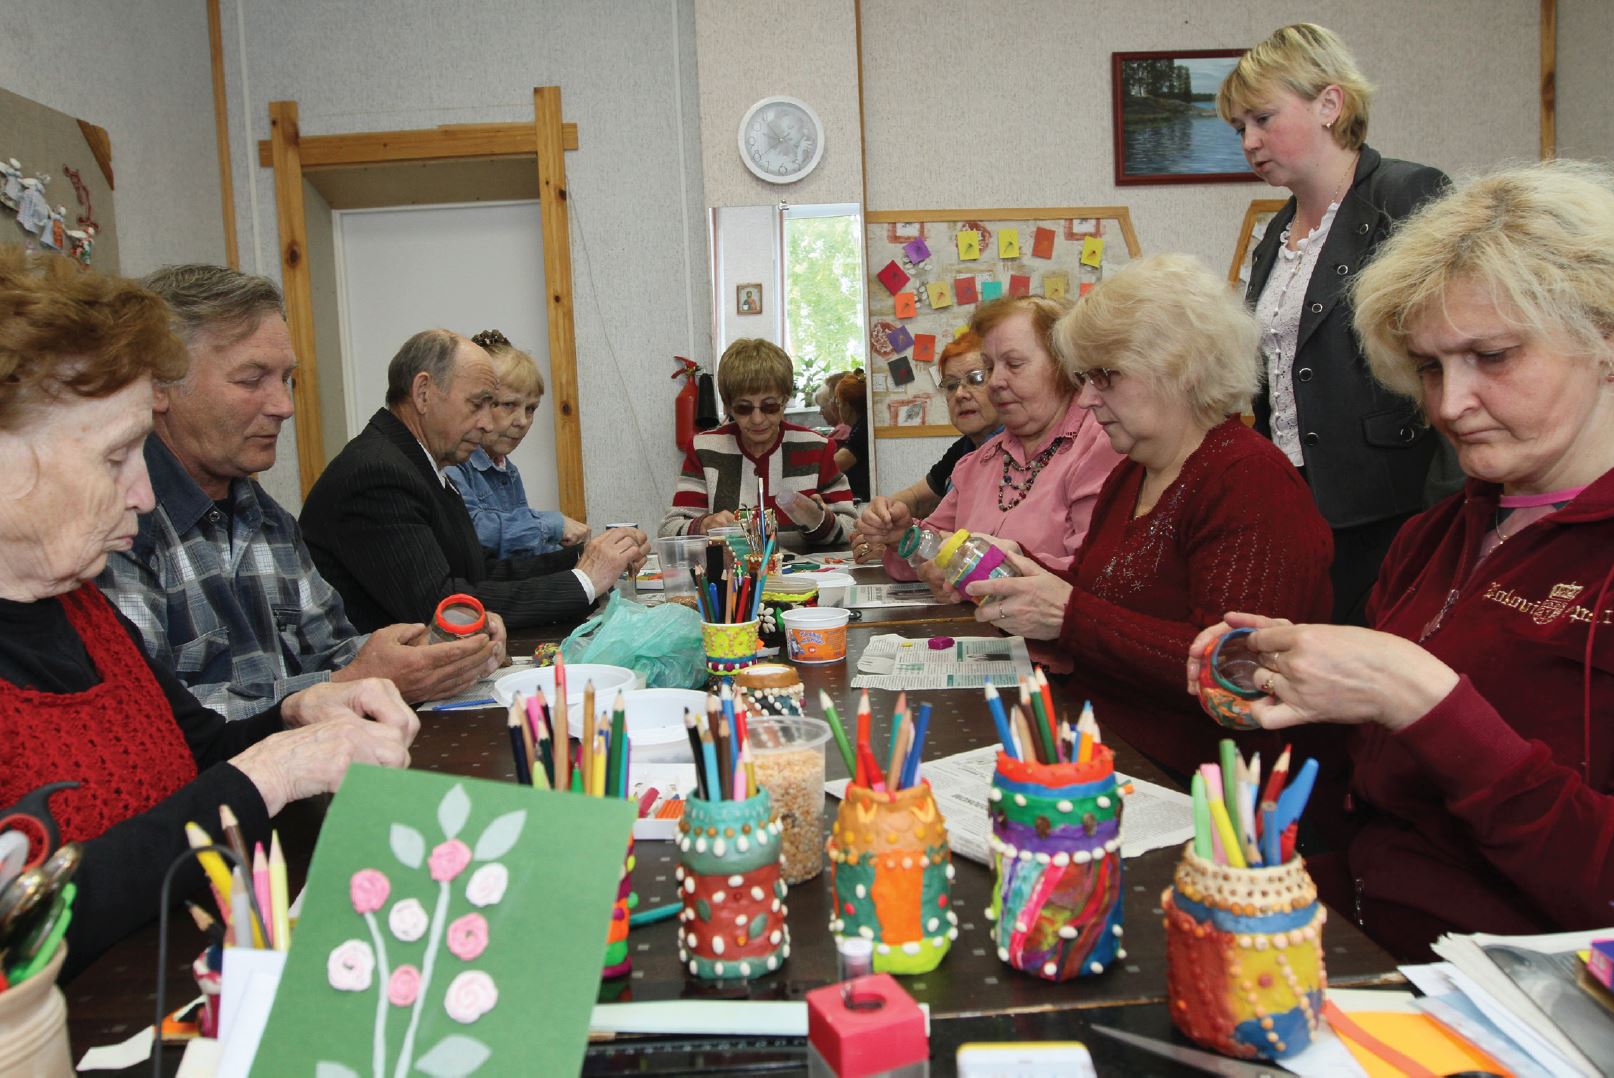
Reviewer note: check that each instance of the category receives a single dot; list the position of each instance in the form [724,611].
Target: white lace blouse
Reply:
[1278,310]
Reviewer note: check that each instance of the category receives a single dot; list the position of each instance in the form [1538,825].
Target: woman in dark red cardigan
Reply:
[1483,766]
[1202,513]
[79,700]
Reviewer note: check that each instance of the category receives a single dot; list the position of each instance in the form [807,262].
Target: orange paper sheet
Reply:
[1420,1037]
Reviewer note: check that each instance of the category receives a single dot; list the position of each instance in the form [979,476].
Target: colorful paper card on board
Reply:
[940,295]
[1042,244]
[991,290]
[904,304]
[924,347]
[1055,285]
[1008,243]
[1019,284]
[959,331]
[969,245]
[964,290]
[916,250]
[450,925]
[892,277]
[901,372]
[899,339]
[1093,251]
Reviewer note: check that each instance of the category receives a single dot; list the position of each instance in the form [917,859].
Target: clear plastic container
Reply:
[921,543]
[789,756]
[966,558]
[677,553]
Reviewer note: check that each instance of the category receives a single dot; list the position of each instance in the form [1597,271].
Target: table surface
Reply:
[114,997]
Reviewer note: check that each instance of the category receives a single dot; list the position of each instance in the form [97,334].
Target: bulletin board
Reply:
[929,269]
[68,163]
[1256,218]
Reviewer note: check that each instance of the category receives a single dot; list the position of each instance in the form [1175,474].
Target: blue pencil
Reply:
[1000,720]
[1292,802]
[910,770]
[714,787]
[717,614]
[1271,835]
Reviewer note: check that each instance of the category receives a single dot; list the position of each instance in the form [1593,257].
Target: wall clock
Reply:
[781,139]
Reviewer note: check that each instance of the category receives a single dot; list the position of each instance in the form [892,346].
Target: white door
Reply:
[465,267]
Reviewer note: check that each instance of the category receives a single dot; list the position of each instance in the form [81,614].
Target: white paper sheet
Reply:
[898,663]
[1155,817]
[876,596]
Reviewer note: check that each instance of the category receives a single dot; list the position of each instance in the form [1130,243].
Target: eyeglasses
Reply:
[1101,377]
[745,408]
[977,377]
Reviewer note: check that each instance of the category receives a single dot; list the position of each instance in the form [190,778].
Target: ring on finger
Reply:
[1266,686]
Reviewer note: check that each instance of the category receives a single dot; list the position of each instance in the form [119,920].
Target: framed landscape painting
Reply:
[1166,127]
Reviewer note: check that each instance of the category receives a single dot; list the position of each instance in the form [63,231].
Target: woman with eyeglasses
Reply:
[799,478]
[1034,484]
[1203,512]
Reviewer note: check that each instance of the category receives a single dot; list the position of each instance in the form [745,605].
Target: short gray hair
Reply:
[430,350]
[204,297]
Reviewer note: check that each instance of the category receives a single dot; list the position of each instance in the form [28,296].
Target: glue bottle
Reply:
[919,544]
[965,558]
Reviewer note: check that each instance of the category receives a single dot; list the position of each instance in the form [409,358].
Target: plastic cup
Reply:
[816,634]
[789,755]
[677,554]
[833,586]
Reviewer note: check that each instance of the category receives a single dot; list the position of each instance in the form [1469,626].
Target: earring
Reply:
[1329,126]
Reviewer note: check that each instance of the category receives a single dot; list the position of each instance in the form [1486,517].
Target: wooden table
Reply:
[114,997]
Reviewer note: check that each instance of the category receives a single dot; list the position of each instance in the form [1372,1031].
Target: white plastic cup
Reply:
[833,587]
[677,553]
[816,635]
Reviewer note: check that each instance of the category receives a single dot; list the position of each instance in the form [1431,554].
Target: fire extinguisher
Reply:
[684,405]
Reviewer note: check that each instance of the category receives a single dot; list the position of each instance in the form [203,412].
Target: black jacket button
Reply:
[1361,229]
[1316,308]
[1342,270]
[1304,374]
[1311,438]
[1407,434]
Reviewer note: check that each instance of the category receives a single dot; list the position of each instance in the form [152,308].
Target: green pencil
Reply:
[619,743]
[1202,818]
[840,733]
[1230,780]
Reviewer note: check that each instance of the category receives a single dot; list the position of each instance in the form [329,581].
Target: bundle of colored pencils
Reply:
[729,588]
[902,754]
[542,746]
[720,740]
[231,886]
[1240,823]
[1032,729]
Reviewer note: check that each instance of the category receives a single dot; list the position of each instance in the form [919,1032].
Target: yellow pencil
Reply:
[280,915]
[590,721]
[597,767]
[1230,839]
[218,874]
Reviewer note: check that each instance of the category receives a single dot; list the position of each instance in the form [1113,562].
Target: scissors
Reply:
[30,817]
[1208,1062]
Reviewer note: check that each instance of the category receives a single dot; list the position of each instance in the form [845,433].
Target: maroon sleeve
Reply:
[1533,819]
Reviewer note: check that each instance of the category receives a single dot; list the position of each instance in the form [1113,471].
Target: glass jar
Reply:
[965,558]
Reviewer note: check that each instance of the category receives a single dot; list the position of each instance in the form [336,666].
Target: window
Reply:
[822,271]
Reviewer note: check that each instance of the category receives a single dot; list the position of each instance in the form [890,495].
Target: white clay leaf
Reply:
[408,845]
[500,835]
[327,1069]
[452,1056]
[451,814]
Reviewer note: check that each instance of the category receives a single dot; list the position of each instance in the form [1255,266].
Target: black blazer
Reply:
[394,542]
[1367,450]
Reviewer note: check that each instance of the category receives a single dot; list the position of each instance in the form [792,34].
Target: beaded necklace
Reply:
[1031,470]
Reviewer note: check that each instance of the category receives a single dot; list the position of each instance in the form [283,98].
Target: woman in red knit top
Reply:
[79,700]
[1203,512]
[1483,766]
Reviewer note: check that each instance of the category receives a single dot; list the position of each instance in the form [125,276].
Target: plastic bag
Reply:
[660,643]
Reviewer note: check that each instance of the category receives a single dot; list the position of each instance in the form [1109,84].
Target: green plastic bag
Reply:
[660,643]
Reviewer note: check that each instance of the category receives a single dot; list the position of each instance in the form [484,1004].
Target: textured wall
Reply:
[1585,102]
[638,232]
[141,71]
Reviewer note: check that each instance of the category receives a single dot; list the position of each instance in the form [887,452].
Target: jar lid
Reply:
[461,615]
[949,548]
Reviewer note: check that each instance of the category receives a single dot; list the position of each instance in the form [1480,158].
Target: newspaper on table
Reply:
[1155,817]
[902,593]
[901,663]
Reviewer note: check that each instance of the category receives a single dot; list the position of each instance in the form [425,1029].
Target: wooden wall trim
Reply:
[221,134]
[556,224]
[428,144]
[1549,79]
[294,283]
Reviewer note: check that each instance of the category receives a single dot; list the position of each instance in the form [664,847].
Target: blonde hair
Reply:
[1171,321]
[1306,59]
[516,370]
[753,365]
[1539,239]
[1044,314]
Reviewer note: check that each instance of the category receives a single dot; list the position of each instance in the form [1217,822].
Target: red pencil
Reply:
[866,762]
[1280,774]
[1048,709]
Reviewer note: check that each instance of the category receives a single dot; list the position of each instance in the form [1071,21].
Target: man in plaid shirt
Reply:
[219,582]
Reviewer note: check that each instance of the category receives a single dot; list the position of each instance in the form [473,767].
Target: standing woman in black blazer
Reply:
[1300,105]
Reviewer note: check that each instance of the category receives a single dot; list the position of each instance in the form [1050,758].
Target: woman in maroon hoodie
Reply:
[1483,757]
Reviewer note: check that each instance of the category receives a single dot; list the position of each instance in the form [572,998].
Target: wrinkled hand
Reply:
[930,573]
[573,532]
[608,556]
[1031,605]
[866,553]
[500,638]
[884,520]
[1232,620]
[706,523]
[424,671]
[374,698]
[295,764]
[807,512]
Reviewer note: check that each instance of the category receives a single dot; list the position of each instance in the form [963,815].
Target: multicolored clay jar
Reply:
[1244,956]
[733,923]
[781,593]
[617,962]
[1056,852]
[892,872]
[1226,680]
[730,645]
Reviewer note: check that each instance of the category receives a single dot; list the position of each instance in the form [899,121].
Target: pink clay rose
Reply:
[468,937]
[369,890]
[449,860]
[404,986]
[470,995]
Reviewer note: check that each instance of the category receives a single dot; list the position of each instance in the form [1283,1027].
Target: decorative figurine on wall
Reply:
[53,233]
[10,183]
[33,212]
[82,243]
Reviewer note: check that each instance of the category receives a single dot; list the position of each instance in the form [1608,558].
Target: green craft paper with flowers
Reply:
[437,935]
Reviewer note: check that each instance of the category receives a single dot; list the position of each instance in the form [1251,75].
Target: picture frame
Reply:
[748,298]
[1164,118]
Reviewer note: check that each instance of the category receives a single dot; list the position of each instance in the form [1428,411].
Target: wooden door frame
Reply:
[545,140]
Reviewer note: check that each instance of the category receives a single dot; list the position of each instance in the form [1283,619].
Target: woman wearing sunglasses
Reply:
[1035,483]
[1203,513]
[796,466]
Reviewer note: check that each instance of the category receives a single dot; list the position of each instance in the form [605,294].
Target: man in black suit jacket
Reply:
[389,532]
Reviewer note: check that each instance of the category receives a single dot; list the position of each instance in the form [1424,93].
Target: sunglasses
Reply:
[745,408]
[977,377]
[1101,377]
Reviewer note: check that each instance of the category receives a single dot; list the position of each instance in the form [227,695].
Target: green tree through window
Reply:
[823,298]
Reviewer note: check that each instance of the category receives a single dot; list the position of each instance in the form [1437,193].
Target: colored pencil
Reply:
[1087,728]
[1040,681]
[1202,818]
[242,930]
[899,754]
[218,875]
[207,923]
[232,833]
[714,791]
[1271,839]
[1292,802]
[591,723]
[279,913]
[910,773]
[562,727]
[994,703]
[1229,791]
[870,767]
[698,755]
[1275,781]
[1022,732]
[518,748]
[260,890]
[1231,847]
[616,770]
[529,752]
[835,727]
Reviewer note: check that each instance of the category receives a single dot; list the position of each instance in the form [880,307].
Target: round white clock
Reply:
[781,139]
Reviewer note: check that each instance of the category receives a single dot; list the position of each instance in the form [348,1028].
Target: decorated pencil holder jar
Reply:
[1056,855]
[779,594]
[892,873]
[773,688]
[1227,680]
[1244,956]
[730,645]
[617,962]
[732,926]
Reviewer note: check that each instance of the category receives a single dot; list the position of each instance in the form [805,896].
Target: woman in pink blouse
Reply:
[1036,481]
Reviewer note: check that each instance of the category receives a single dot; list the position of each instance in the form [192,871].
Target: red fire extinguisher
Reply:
[684,405]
